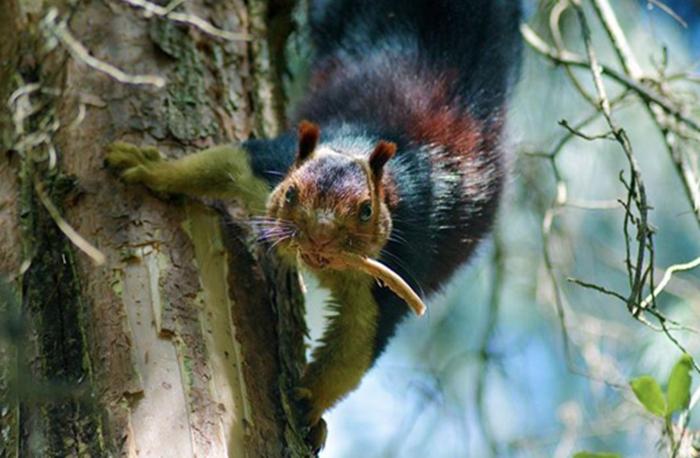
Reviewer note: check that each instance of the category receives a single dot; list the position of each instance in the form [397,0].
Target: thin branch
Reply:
[549,265]
[678,345]
[484,353]
[618,39]
[667,278]
[594,204]
[638,189]
[554,18]
[568,58]
[668,10]
[600,289]
[691,183]
[605,136]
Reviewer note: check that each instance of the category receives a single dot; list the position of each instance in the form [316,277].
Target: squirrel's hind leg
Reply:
[346,350]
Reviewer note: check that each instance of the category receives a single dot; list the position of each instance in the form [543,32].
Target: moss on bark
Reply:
[62,386]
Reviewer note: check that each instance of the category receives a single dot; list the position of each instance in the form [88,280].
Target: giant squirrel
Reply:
[398,156]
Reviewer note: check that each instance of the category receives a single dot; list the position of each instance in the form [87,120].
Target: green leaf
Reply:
[597,455]
[678,391]
[649,394]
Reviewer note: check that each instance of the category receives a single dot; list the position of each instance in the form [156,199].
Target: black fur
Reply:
[381,68]
[271,159]
[477,38]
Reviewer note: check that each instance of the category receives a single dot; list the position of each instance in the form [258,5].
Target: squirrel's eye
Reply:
[365,211]
[291,196]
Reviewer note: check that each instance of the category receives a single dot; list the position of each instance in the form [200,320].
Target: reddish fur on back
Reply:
[434,119]
[455,131]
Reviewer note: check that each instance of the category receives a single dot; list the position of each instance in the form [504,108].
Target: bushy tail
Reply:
[477,38]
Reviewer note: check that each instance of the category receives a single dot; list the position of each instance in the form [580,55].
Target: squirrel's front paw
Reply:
[137,164]
[309,418]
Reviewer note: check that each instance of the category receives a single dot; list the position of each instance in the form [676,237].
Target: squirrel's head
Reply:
[331,202]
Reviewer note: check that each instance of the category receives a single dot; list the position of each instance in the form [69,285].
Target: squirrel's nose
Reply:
[321,240]
[323,229]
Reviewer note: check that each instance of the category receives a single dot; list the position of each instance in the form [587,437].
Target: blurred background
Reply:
[514,359]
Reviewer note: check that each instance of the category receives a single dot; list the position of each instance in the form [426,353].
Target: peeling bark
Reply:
[188,339]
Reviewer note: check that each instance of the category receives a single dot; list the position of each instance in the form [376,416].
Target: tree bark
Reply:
[134,325]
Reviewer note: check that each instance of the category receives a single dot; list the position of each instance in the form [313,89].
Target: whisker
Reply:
[275,234]
[264,229]
[398,239]
[267,219]
[271,223]
[277,242]
[270,238]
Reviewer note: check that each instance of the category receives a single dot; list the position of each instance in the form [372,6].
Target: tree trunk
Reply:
[133,325]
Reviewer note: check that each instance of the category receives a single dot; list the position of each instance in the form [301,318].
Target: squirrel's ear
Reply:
[309,134]
[381,154]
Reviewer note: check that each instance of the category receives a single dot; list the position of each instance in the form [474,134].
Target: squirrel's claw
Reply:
[317,428]
[136,164]
[316,438]
[122,155]
[304,406]
[137,174]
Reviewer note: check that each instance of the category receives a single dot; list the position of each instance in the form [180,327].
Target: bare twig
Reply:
[668,10]
[600,289]
[673,114]
[484,353]
[637,187]
[691,183]
[568,58]
[618,39]
[667,278]
[559,201]
[605,136]
[549,265]
[554,18]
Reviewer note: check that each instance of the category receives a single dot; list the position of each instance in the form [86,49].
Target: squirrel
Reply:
[398,156]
